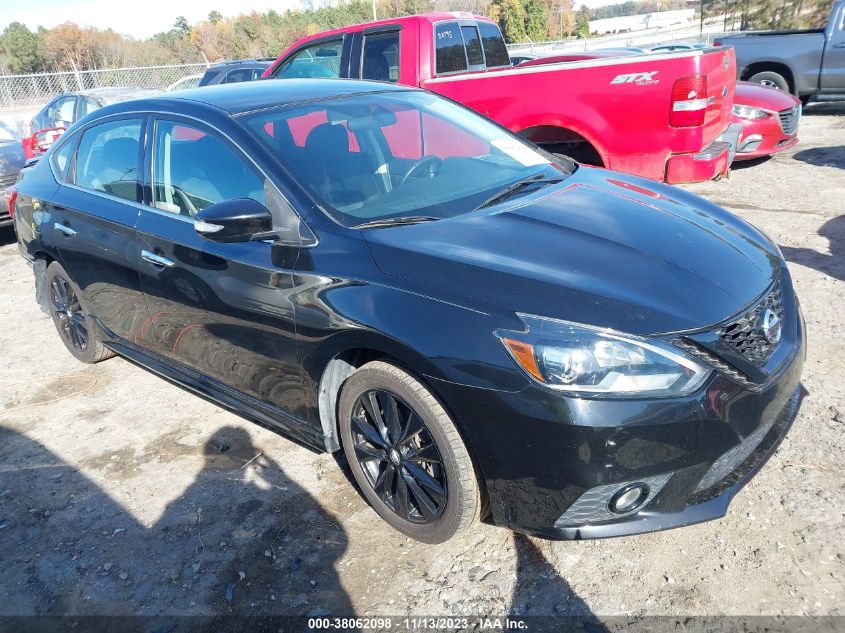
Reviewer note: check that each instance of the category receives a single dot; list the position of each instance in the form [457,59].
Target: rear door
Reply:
[93,217]
[222,310]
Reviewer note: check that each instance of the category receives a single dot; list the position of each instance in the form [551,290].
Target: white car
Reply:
[191,81]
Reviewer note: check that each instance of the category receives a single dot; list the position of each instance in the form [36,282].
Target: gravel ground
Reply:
[121,493]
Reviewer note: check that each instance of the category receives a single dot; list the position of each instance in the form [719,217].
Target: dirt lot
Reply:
[121,493]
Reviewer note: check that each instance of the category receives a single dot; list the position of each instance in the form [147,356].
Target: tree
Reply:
[22,50]
[536,20]
[181,25]
[511,17]
[215,16]
[582,22]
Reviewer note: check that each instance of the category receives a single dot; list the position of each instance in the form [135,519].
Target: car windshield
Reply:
[372,157]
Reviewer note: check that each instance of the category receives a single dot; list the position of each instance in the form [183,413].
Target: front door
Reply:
[833,63]
[222,310]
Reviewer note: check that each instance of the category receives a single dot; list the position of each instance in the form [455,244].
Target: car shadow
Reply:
[823,156]
[824,108]
[752,162]
[541,591]
[242,539]
[832,265]
[7,235]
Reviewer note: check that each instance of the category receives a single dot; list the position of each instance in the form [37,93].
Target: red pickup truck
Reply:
[662,116]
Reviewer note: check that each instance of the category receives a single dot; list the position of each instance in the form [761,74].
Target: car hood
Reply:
[602,248]
[759,96]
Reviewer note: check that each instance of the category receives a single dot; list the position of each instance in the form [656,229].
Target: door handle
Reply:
[156,260]
[840,45]
[65,230]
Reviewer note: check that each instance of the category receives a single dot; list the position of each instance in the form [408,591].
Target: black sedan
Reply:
[486,330]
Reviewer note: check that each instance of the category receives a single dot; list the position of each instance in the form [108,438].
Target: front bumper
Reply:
[541,454]
[764,139]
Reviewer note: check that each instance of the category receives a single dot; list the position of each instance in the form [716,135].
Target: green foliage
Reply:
[215,16]
[21,50]
[536,20]
[582,22]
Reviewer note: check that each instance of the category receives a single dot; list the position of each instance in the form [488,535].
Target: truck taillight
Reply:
[11,199]
[689,101]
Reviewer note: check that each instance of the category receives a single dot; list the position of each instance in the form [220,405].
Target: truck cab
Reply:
[661,116]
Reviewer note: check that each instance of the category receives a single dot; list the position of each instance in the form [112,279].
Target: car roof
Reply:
[247,96]
[111,95]
[244,62]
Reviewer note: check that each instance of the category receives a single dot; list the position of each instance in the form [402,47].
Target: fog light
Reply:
[629,498]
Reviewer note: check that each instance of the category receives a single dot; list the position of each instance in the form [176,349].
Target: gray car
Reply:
[808,63]
[68,107]
[11,162]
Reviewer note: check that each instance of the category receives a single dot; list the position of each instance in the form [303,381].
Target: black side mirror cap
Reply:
[238,220]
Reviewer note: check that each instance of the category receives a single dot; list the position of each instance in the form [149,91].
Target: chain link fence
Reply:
[18,92]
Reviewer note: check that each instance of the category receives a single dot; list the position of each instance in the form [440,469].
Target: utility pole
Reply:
[375,17]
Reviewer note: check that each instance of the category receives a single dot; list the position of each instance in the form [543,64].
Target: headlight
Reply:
[747,112]
[578,358]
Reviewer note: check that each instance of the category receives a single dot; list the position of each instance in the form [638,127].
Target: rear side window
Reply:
[107,159]
[494,46]
[473,45]
[61,157]
[449,48]
[381,57]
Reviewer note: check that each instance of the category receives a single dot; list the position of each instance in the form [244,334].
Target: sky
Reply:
[139,19]
[143,18]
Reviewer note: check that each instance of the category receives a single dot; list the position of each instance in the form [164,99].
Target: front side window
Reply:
[193,169]
[449,48]
[493,43]
[237,76]
[317,60]
[62,110]
[381,57]
[375,156]
[107,158]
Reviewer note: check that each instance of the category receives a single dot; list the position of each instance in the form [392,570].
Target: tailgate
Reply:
[719,66]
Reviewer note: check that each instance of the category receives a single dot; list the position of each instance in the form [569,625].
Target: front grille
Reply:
[744,334]
[7,181]
[789,120]
[718,363]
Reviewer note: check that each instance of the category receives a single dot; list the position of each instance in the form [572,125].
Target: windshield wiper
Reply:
[513,188]
[397,221]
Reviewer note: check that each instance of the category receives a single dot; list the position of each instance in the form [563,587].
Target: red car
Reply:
[662,116]
[769,119]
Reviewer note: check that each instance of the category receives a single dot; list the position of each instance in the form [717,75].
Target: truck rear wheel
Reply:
[770,79]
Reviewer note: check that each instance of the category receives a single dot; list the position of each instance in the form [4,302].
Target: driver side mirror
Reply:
[238,220]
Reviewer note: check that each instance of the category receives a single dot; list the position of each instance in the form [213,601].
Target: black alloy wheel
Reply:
[68,314]
[406,454]
[77,329]
[399,457]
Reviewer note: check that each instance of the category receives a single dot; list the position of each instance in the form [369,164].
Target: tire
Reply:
[70,315]
[771,79]
[421,453]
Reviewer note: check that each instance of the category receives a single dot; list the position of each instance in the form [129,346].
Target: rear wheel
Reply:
[76,328]
[406,454]
[771,79]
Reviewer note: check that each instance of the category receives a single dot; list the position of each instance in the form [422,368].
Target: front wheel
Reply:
[406,454]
